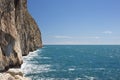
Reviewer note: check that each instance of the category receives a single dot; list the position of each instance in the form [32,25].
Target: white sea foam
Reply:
[29,66]
[31,55]
[78,79]
[99,68]
[45,57]
[53,79]
[32,68]
[71,69]
[90,77]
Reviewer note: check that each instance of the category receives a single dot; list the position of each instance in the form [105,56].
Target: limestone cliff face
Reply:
[19,33]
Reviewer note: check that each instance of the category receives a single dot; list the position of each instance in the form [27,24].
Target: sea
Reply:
[73,62]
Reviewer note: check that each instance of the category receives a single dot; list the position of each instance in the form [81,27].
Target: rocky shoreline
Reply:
[13,74]
[19,35]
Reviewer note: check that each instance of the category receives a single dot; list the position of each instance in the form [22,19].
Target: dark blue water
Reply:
[70,62]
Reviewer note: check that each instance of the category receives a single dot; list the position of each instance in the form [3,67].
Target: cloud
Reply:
[63,37]
[107,32]
[97,37]
[78,37]
[67,42]
[89,37]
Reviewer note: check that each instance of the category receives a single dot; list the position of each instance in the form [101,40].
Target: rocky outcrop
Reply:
[13,74]
[27,28]
[19,33]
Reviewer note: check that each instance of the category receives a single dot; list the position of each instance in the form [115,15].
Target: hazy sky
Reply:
[77,21]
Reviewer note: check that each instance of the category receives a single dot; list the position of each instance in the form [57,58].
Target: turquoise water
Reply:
[70,62]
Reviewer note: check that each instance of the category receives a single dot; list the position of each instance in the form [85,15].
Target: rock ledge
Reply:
[13,74]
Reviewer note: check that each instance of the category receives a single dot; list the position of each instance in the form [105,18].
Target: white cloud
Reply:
[77,37]
[63,37]
[107,32]
[89,37]
[97,37]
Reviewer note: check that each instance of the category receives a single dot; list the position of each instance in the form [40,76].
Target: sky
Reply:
[77,21]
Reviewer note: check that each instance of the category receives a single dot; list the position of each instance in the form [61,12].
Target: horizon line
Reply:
[81,44]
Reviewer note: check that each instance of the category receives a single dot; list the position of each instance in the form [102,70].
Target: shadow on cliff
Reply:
[7,43]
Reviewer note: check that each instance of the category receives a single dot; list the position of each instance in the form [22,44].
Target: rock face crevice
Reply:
[19,33]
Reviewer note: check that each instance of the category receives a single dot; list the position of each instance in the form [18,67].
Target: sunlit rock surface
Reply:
[19,34]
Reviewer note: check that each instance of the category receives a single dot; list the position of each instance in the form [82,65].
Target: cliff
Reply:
[19,33]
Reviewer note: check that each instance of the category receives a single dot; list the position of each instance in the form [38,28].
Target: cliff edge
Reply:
[19,33]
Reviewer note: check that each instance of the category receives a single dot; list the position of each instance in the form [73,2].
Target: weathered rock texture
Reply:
[19,33]
[13,74]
